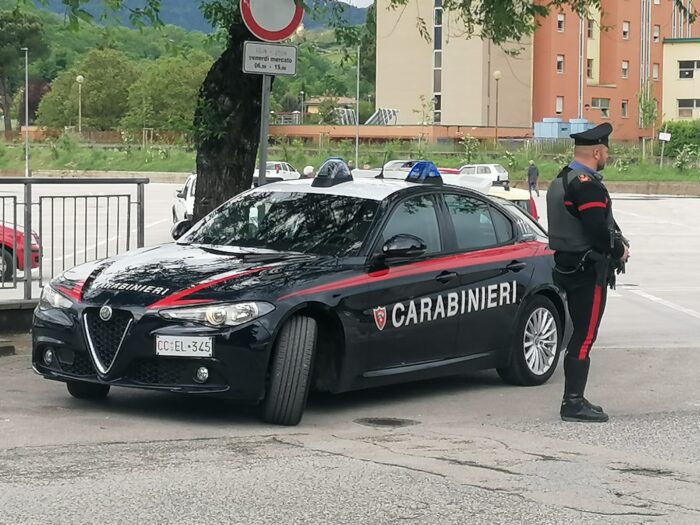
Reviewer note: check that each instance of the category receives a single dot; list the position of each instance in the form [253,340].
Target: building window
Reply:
[655,71]
[625,69]
[437,102]
[603,104]
[559,106]
[589,68]
[437,117]
[625,30]
[591,25]
[438,3]
[437,81]
[560,63]
[438,16]
[437,59]
[685,107]
[657,2]
[623,108]
[561,20]
[657,33]
[686,68]
[437,38]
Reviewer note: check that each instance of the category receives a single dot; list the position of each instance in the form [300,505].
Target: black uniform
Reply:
[587,244]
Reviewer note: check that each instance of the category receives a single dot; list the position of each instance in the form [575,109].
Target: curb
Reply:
[17,315]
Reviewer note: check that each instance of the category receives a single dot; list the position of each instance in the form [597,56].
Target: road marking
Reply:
[667,304]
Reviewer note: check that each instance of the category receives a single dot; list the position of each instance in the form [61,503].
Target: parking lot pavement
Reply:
[457,450]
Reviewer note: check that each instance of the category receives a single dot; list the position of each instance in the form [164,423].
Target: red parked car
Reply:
[12,251]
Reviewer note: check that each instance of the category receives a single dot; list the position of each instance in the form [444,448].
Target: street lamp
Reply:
[302,106]
[26,111]
[80,79]
[497,75]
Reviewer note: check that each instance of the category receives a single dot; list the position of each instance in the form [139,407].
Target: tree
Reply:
[227,119]
[19,29]
[108,75]
[648,112]
[165,95]
[328,110]
[368,46]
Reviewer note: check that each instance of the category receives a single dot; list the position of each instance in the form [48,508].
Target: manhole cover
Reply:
[386,422]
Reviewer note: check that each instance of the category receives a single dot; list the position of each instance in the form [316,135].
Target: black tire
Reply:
[83,390]
[7,267]
[290,372]
[517,372]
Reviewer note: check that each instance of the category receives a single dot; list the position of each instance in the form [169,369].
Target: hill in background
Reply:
[186,13]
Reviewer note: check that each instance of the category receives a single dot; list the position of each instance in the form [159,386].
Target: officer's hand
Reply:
[626,254]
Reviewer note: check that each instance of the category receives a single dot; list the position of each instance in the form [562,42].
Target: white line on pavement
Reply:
[667,304]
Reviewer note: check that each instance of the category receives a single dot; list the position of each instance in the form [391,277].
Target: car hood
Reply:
[175,275]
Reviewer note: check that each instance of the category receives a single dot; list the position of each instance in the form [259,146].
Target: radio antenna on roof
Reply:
[381,173]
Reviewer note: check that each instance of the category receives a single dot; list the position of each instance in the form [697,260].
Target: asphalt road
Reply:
[456,450]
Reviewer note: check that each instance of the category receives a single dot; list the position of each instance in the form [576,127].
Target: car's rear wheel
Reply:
[83,390]
[536,344]
[6,265]
[290,374]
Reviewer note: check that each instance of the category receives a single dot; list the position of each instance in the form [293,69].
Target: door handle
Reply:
[446,277]
[516,266]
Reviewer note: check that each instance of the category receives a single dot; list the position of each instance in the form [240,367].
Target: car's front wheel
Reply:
[290,373]
[82,390]
[6,266]
[536,344]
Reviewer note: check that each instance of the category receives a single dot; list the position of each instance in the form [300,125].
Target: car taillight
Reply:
[533,208]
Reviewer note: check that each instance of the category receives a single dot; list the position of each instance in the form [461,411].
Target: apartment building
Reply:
[590,68]
[448,79]
[596,68]
[681,73]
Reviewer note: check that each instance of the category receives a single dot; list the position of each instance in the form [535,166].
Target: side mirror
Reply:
[404,245]
[180,194]
[180,228]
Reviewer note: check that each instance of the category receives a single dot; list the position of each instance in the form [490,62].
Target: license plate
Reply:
[181,346]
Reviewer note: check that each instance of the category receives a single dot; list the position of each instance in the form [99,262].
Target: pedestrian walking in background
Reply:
[532,175]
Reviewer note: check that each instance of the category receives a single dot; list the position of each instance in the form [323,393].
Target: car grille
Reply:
[105,337]
[162,372]
[81,366]
[169,372]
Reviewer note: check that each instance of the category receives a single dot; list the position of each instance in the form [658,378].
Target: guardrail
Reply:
[53,232]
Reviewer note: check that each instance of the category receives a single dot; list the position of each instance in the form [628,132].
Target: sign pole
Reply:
[264,123]
[663,144]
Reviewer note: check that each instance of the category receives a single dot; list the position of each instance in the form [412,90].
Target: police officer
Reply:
[588,248]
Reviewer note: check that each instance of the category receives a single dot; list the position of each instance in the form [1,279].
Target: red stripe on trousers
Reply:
[592,324]
[589,205]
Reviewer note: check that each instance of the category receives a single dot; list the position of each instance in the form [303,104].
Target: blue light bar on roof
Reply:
[424,172]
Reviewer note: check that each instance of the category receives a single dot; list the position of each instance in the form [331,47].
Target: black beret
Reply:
[593,136]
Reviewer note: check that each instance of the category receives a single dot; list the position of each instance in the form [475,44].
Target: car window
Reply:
[186,189]
[193,186]
[472,222]
[484,170]
[288,221]
[416,216]
[503,226]
[499,168]
[469,170]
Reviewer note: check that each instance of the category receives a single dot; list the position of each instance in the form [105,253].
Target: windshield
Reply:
[292,222]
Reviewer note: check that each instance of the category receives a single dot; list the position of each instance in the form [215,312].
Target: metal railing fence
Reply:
[70,228]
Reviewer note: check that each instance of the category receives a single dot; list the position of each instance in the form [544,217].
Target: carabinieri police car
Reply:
[332,284]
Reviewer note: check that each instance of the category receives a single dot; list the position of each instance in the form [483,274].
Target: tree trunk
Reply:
[6,103]
[227,126]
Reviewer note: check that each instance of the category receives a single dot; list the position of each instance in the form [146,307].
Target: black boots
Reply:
[575,407]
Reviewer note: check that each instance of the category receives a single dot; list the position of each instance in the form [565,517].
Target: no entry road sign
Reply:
[271,20]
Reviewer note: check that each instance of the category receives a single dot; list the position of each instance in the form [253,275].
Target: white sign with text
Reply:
[269,59]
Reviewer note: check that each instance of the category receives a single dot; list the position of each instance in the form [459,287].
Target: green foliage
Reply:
[165,94]
[327,110]
[683,132]
[687,157]
[108,75]
[470,147]
[18,29]
[648,106]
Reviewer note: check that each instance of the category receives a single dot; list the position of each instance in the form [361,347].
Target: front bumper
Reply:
[237,369]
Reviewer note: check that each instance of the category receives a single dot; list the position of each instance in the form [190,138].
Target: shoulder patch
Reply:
[584,178]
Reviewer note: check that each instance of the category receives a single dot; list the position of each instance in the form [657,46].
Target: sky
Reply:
[360,3]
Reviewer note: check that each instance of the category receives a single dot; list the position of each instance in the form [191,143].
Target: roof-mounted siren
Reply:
[424,172]
[334,171]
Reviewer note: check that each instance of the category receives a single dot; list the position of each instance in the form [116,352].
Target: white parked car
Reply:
[277,171]
[184,198]
[498,174]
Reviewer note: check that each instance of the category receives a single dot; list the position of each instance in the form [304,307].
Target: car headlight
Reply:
[220,314]
[50,298]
